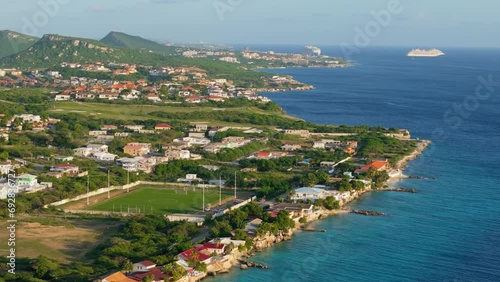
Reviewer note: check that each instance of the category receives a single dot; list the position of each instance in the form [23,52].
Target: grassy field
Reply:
[162,201]
[142,112]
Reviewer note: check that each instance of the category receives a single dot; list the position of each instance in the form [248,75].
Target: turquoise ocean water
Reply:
[448,232]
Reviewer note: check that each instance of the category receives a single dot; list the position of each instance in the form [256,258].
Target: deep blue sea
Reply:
[448,232]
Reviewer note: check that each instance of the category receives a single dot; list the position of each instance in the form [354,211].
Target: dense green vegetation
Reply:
[12,42]
[142,237]
[120,39]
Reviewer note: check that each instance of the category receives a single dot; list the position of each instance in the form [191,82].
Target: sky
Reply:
[415,23]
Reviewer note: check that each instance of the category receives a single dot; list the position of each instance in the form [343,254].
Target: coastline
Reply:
[269,240]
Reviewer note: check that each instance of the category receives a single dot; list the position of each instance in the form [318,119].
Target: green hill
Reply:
[120,39]
[51,50]
[12,42]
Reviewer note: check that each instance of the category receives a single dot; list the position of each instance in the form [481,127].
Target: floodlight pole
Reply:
[203,186]
[88,184]
[109,188]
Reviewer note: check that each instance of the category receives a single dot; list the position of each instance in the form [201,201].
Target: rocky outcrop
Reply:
[268,240]
[368,213]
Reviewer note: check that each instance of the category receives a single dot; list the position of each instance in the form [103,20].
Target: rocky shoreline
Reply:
[262,242]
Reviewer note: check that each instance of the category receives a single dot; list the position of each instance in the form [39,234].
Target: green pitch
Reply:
[162,201]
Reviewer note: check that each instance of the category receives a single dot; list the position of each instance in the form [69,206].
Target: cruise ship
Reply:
[425,53]
[312,50]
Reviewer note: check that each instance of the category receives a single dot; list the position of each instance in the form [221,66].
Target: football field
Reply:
[155,200]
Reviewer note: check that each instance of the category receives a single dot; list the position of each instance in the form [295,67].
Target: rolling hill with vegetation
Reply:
[120,39]
[12,42]
[52,50]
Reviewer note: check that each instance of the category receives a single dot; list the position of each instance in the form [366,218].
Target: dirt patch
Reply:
[66,243]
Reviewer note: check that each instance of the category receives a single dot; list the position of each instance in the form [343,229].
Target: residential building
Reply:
[98,148]
[134,127]
[104,157]
[290,147]
[117,277]
[201,254]
[66,168]
[178,155]
[201,127]
[308,193]
[301,133]
[136,149]
[98,132]
[29,118]
[190,178]
[216,129]
[375,165]
[295,210]
[163,126]
[5,168]
[143,266]
[26,181]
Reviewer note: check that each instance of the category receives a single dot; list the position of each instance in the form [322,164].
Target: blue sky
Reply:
[426,23]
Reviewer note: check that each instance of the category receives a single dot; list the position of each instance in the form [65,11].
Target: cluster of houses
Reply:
[215,254]
[348,147]
[16,122]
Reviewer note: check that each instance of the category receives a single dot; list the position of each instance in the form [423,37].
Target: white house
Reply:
[143,266]
[104,157]
[4,190]
[189,178]
[178,154]
[134,127]
[5,168]
[98,148]
[83,152]
[62,97]
[4,136]
[307,193]
[29,118]
[98,132]
[26,181]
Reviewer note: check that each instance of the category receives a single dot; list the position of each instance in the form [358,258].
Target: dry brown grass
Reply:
[57,238]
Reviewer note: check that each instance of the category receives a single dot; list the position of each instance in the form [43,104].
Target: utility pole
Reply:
[128,180]
[220,190]
[88,184]
[203,187]
[109,187]
[235,186]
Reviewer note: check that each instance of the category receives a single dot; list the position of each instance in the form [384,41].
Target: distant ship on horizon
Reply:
[425,53]
[312,50]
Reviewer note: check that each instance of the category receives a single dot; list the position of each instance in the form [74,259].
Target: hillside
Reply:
[12,42]
[119,39]
[51,50]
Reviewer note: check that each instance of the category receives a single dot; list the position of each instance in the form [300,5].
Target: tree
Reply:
[149,278]
[309,180]
[127,266]
[331,204]
[237,218]
[175,270]
[239,234]
[4,155]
